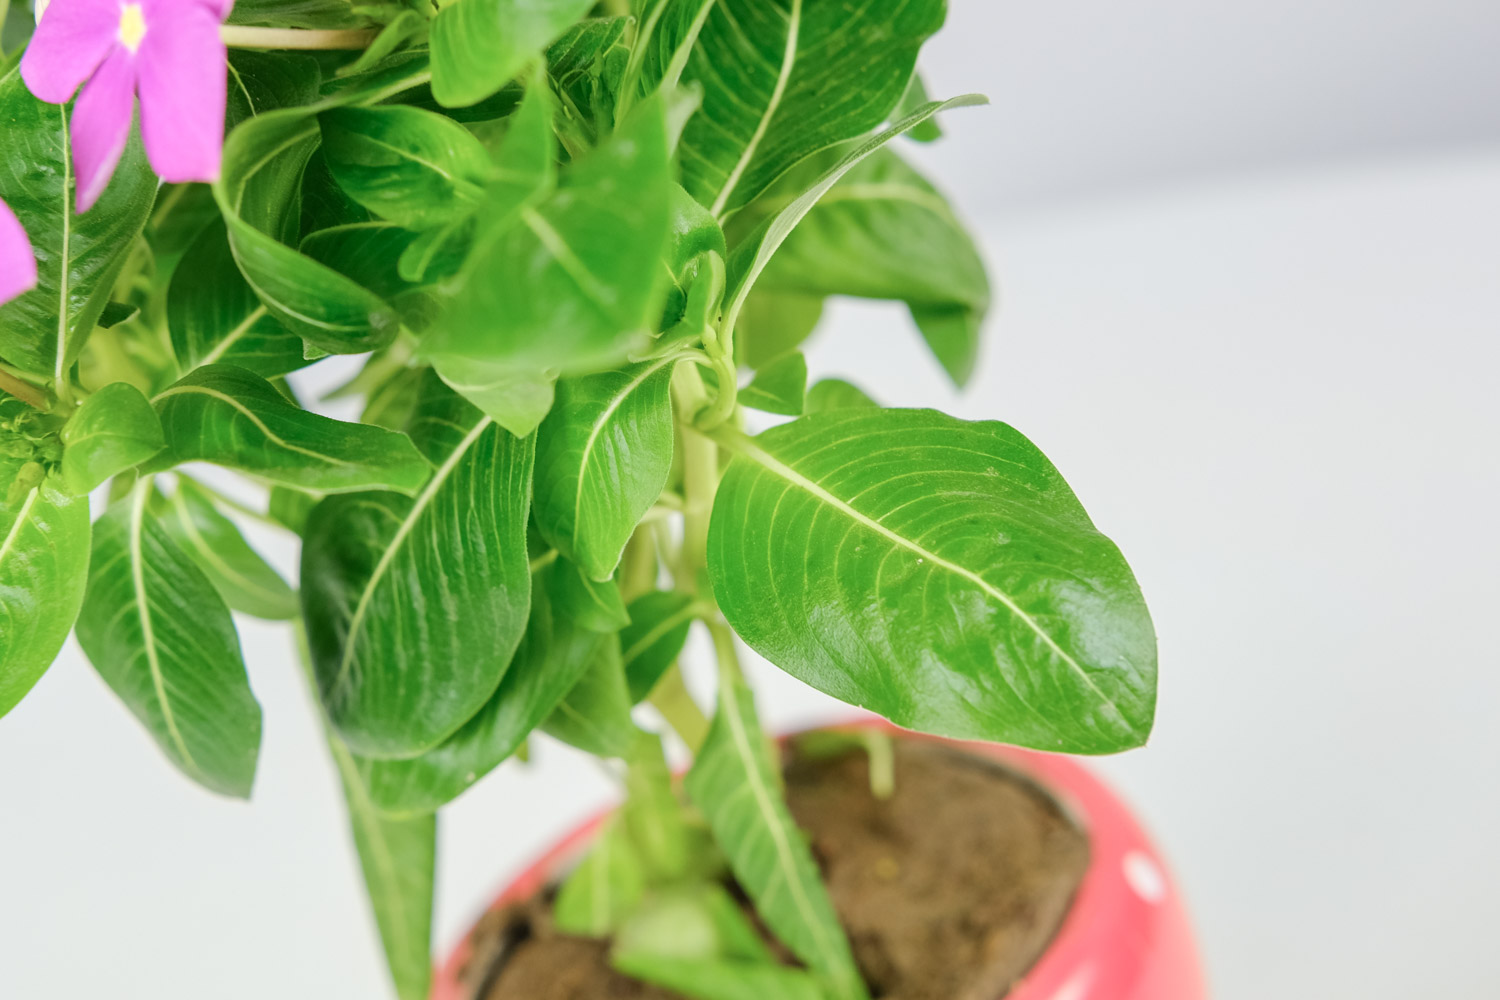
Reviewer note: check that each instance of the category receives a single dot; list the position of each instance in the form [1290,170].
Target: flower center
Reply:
[132,26]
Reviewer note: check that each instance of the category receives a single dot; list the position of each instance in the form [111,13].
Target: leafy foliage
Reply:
[574,245]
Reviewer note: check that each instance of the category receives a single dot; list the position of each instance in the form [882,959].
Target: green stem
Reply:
[671,698]
[700,464]
[638,566]
[24,391]
[240,36]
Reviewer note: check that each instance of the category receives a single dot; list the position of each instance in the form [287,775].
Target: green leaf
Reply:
[297,13]
[214,316]
[884,232]
[735,783]
[605,887]
[161,637]
[398,858]
[773,323]
[410,166]
[753,254]
[552,656]
[691,923]
[593,604]
[720,979]
[244,579]
[654,816]
[569,285]
[779,387]
[414,606]
[407,28]
[44,559]
[603,457]
[113,430]
[916,96]
[938,572]
[768,70]
[651,643]
[478,46]
[257,191]
[234,418]
[78,256]
[595,715]
[836,394]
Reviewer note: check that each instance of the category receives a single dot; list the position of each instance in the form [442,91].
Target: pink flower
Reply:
[166,51]
[17,261]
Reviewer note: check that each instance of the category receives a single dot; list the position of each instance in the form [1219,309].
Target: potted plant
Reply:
[574,248]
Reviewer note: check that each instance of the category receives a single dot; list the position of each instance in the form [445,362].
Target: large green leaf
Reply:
[114,429]
[603,457]
[884,232]
[595,714]
[258,192]
[938,572]
[78,256]
[414,606]
[569,284]
[244,579]
[398,856]
[735,783]
[410,166]
[234,418]
[478,46]
[44,559]
[161,637]
[783,79]
[553,655]
[651,643]
[215,316]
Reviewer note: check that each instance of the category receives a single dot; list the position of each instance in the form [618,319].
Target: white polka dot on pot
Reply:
[1145,876]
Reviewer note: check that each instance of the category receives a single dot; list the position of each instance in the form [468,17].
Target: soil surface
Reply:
[949,890]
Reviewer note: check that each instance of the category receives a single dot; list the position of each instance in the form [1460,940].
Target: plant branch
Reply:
[672,699]
[239,36]
[24,391]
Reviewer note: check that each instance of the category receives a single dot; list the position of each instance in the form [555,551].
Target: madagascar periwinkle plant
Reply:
[575,243]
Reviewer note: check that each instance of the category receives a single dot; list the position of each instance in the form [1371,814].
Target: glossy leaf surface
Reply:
[480,45]
[779,387]
[44,560]
[938,572]
[603,457]
[113,430]
[161,637]
[415,605]
[234,418]
[595,714]
[651,643]
[244,579]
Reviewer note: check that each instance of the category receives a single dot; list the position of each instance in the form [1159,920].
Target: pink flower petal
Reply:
[17,259]
[71,41]
[183,87]
[101,124]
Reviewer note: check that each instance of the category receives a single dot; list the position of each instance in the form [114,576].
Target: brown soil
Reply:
[949,890]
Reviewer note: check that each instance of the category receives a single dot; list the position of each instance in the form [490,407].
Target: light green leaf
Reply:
[78,256]
[595,715]
[112,431]
[720,979]
[398,858]
[916,96]
[938,572]
[297,13]
[653,640]
[836,394]
[214,316]
[605,887]
[234,418]
[772,323]
[244,579]
[413,167]
[735,783]
[603,457]
[44,559]
[161,637]
[569,285]
[653,815]
[692,923]
[414,606]
[552,656]
[779,387]
[478,46]
[884,232]
[768,68]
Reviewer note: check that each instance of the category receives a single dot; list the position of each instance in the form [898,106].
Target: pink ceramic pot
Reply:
[1126,936]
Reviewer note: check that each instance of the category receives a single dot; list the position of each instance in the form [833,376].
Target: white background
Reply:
[1249,257]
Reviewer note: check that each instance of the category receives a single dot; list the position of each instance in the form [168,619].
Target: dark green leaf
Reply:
[414,606]
[410,166]
[593,604]
[78,256]
[836,394]
[938,572]
[735,783]
[234,418]
[653,640]
[44,559]
[245,581]
[769,69]
[407,28]
[603,457]
[478,46]
[113,430]
[160,636]
[595,715]
[779,387]
[553,655]
[214,316]
[297,13]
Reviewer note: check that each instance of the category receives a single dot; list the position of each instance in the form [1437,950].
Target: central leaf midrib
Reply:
[260,425]
[610,409]
[148,632]
[788,63]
